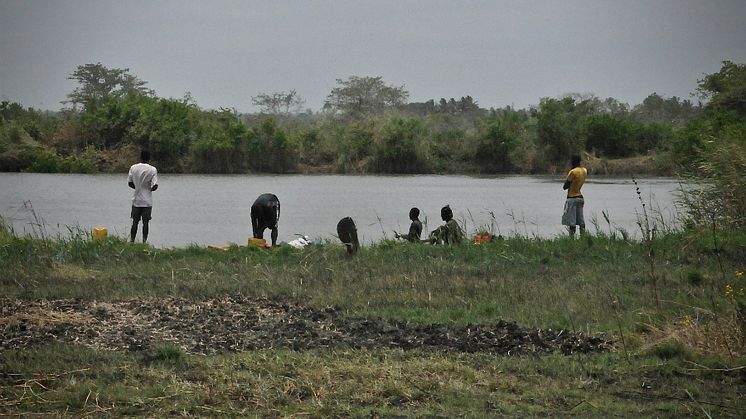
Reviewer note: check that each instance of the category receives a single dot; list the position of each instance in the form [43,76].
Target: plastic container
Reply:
[99,233]
[260,243]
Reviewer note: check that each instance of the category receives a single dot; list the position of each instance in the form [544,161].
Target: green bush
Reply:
[270,149]
[399,148]
[714,149]
[694,277]
[47,161]
[608,135]
[494,146]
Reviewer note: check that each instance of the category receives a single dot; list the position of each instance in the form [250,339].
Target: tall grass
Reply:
[599,283]
[64,380]
[537,282]
[718,207]
[721,197]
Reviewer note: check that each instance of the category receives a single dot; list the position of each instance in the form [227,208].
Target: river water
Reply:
[214,209]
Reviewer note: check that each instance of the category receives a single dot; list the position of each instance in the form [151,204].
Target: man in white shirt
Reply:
[143,178]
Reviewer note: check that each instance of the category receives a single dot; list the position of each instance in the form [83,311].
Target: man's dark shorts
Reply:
[141,212]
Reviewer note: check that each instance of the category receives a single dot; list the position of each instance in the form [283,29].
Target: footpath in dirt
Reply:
[237,323]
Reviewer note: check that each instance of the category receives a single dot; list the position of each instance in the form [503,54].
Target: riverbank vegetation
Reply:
[672,306]
[365,126]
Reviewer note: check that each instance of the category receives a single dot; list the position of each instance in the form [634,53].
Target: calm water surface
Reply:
[214,209]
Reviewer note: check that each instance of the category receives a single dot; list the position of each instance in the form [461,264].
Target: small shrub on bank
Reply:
[694,277]
[168,354]
[671,349]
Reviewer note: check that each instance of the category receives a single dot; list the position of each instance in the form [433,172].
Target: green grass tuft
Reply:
[168,354]
[671,349]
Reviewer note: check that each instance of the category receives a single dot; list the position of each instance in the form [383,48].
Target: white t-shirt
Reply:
[144,176]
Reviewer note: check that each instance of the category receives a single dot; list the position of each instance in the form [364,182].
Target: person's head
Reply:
[446,213]
[144,156]
[575,160]
[414,213]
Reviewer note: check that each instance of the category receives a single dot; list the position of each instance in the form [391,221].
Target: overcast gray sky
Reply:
[499,52]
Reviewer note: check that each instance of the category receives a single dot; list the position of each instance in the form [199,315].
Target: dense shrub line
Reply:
[455,136]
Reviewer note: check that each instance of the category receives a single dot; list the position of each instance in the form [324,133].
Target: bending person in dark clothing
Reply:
[265,213]
[415,229]
[347,232]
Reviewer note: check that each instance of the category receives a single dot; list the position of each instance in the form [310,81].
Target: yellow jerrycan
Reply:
[99,233]
[260,243]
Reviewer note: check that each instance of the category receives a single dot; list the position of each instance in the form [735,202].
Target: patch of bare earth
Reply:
[238,323]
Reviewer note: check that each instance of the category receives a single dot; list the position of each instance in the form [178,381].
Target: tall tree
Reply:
[726,89]
[673,111]
[97,83]
[558,127]
[357,96]
[608,135]
[464,105]
[278,103]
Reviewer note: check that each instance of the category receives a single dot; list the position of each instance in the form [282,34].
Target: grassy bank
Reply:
[679,347]
[364,383]
[578,283]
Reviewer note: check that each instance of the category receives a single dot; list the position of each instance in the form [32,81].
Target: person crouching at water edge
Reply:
[143,178]
[450,232]
[265,213]
[573,215]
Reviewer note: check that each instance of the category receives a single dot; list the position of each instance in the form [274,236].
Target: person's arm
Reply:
[154,181]
[414,232]
[401,236]
[568,181]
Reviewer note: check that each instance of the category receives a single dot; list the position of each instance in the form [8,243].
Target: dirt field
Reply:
[238,323]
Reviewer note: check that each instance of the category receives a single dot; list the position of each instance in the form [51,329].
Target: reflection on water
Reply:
[214,209]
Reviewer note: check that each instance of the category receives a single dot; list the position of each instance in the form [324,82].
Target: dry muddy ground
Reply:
[237,323]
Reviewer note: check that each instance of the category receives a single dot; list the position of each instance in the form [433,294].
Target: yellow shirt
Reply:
[576,177]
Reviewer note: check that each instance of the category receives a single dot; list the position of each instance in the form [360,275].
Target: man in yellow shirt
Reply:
[573,215]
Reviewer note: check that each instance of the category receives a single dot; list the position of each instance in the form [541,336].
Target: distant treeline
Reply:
[365,126]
